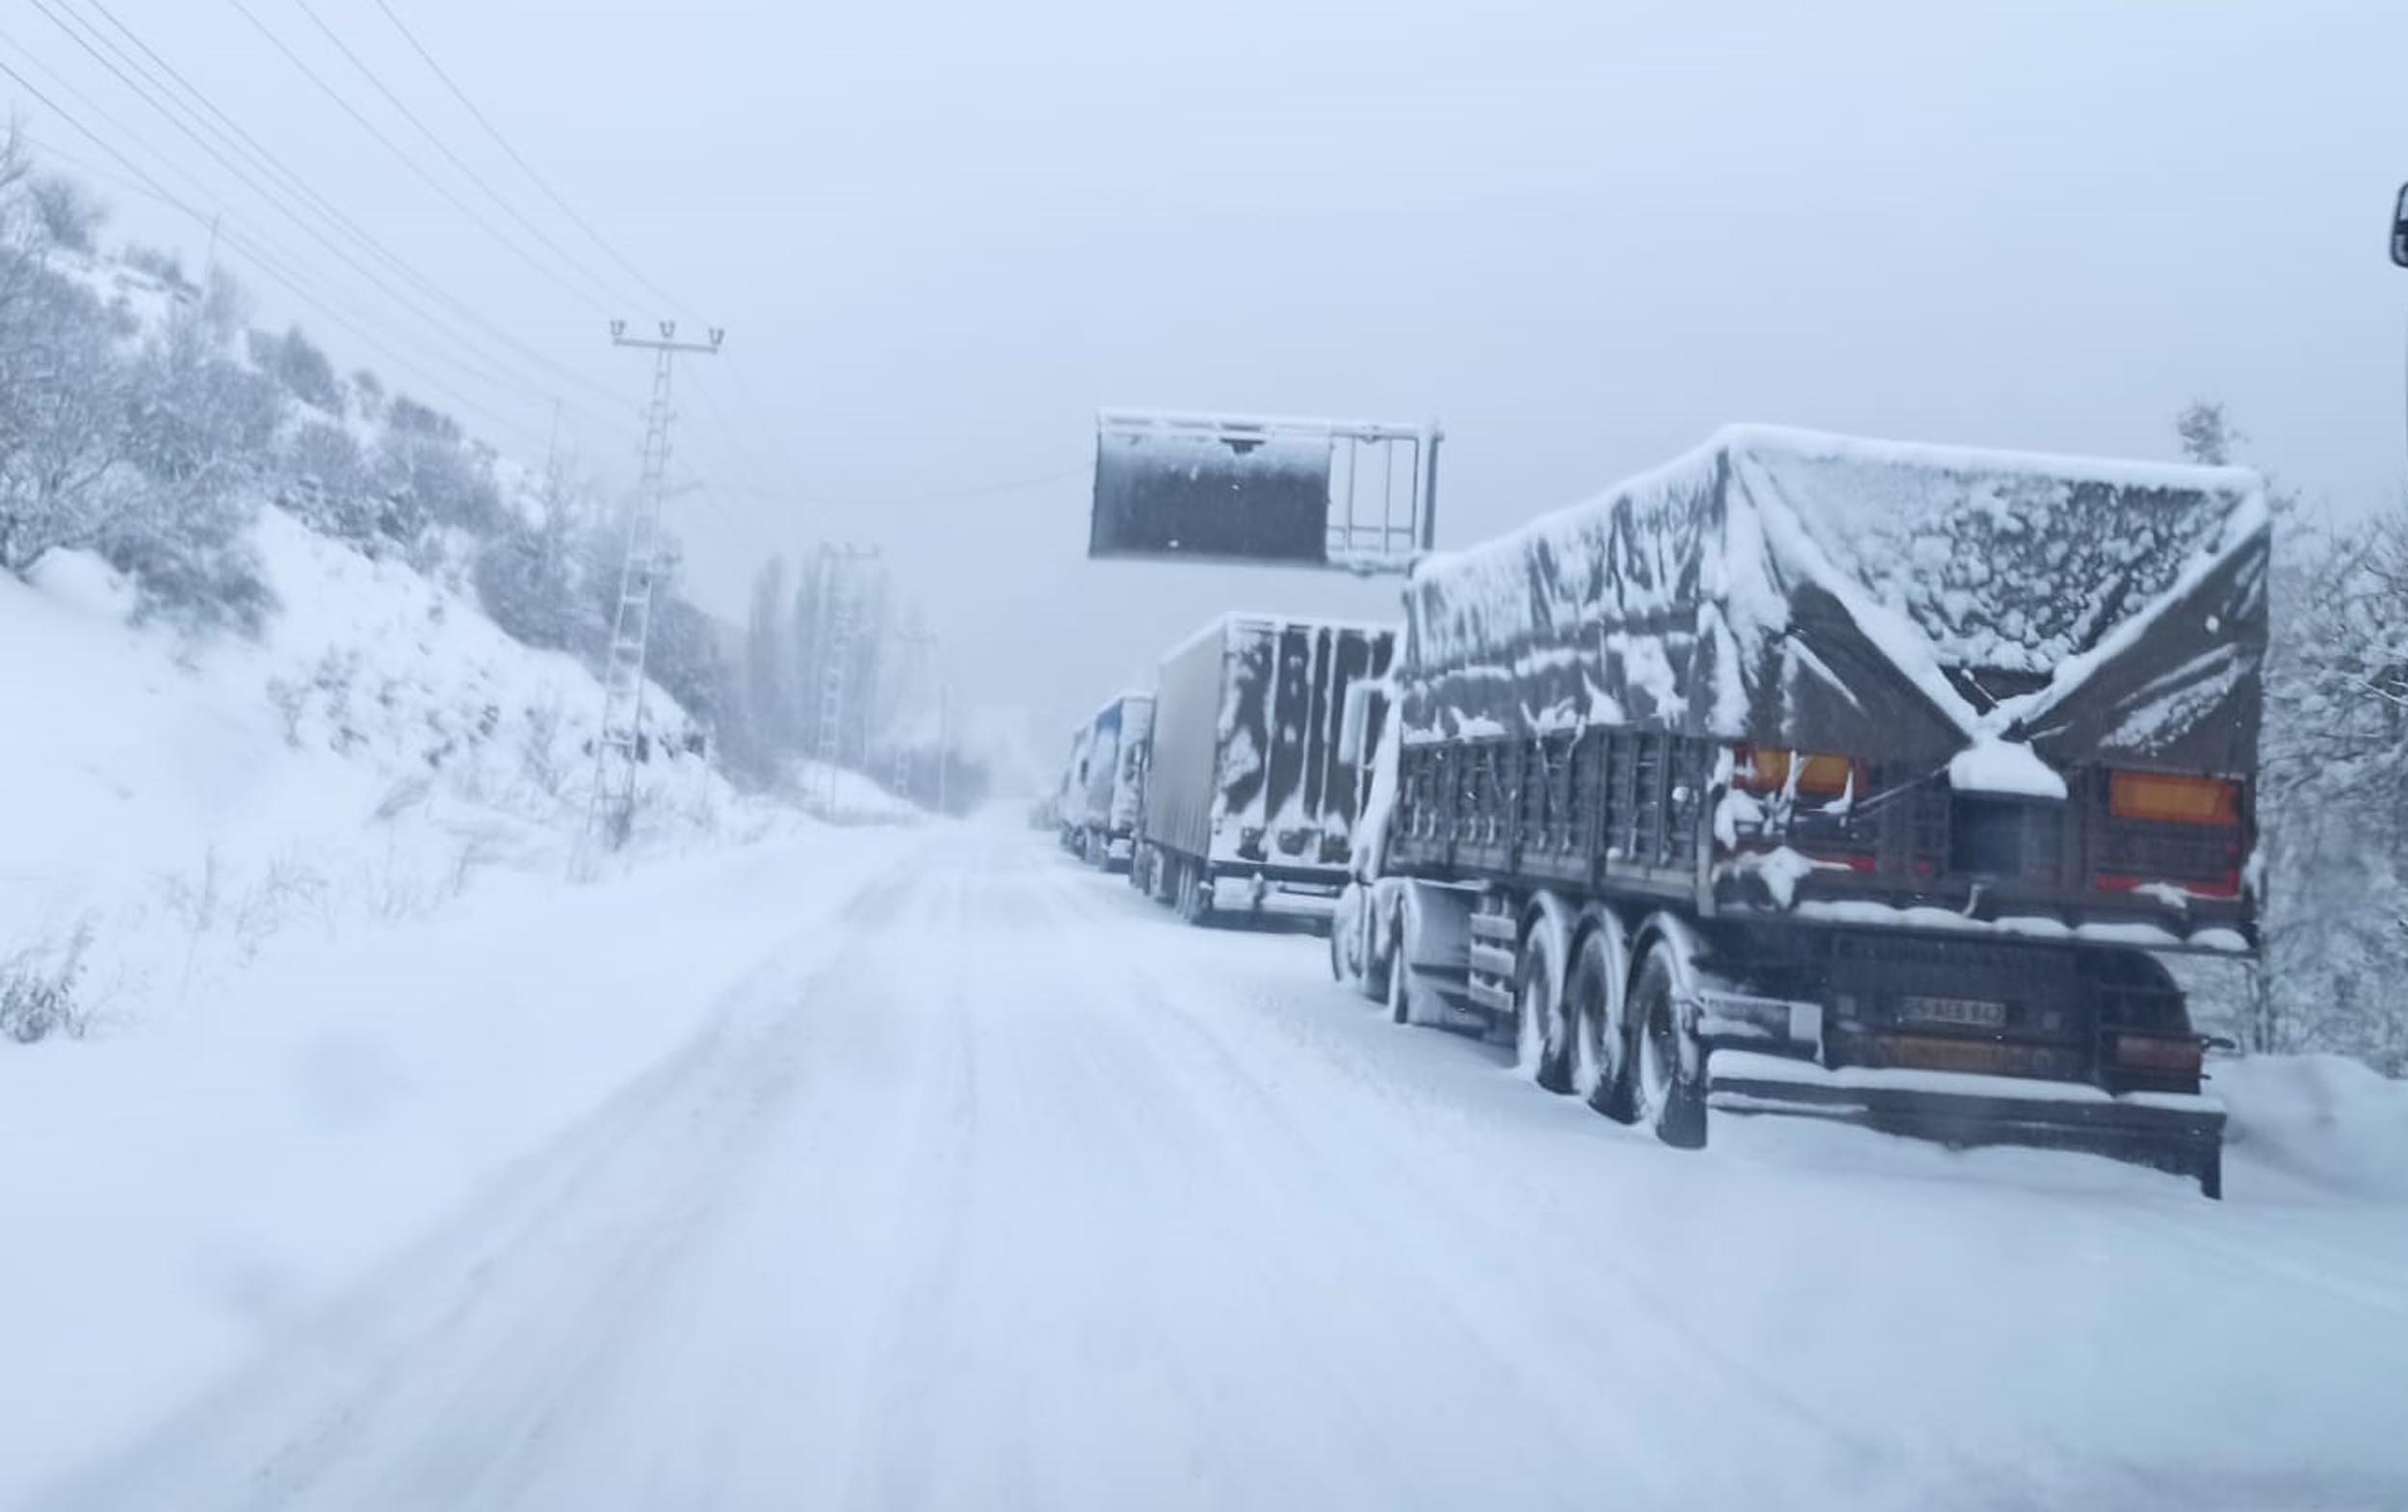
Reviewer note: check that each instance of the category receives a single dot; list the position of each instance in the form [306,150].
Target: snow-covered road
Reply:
[1022,1194]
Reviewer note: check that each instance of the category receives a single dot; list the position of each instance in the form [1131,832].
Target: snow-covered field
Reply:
[926,1168]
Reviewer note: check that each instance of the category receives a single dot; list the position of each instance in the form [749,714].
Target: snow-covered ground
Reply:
[184,1195]
[170,809]
[923,1167]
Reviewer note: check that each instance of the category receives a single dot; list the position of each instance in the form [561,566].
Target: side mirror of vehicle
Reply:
[2399,228]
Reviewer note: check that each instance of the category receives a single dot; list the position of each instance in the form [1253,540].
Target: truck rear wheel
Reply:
[1378,965]
[1345,938]
[1667,1070]
[1542,1048]
[1195,894]
[1593,1003]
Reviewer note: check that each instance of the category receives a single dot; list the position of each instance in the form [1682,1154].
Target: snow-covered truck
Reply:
[1069,800]
[1107,780]
[1251,793]
[1819,775]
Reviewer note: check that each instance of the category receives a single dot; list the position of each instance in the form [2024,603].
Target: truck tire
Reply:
[1404,1004]
[1666,1071]
[1542,1050]
[1593,1003]
[1377,963]
[1195,894]
[1345,939]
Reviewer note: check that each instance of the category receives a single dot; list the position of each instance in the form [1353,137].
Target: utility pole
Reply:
[915,643]
[847,600]
[620,749]
[944,741]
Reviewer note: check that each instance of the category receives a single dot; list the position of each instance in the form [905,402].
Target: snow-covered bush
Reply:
[324,482]
[428,477]
[39,991]
[526,574]
[64,472]
[2333,789]
[69,216]
[296,364]
[198,437]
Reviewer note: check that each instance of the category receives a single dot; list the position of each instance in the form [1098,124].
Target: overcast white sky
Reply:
[1581,234]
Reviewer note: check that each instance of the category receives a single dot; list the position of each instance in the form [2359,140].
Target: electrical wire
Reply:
[268,264]
[769,430]
[202,109]
[377,80]
[951,495]
[525,167]
[483,366]
[299,64]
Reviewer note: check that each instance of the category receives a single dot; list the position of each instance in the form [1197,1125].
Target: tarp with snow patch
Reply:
[1823,593]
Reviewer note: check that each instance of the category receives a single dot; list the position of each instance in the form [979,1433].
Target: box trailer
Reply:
[1251,793]
[1108,777]
[1823,776]
[1069,800]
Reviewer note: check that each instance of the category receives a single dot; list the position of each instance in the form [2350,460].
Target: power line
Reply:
[949,495]
[408,161]
[449,156]
[267,264]
[484,368]
[743,454]
[783,458]
[770,428]
[229,130]
[524,167]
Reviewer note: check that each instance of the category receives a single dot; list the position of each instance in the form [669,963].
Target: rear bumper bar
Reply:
[2171,1131]
[1255,893]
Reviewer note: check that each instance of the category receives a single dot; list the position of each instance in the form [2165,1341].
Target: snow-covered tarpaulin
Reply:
[1824,592]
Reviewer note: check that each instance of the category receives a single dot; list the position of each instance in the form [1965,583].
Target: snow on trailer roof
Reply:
[1219,624]
[1939,559]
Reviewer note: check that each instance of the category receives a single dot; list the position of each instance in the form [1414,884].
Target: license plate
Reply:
[1961,1012]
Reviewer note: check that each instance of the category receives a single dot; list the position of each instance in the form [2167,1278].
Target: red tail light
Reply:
[2183,1057]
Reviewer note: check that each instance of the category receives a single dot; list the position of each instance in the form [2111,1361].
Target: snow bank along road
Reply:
[1022,1194]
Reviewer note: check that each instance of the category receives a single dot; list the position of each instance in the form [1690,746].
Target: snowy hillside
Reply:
[288,650]
[178,804]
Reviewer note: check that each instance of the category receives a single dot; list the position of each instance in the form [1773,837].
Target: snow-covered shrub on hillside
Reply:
[198,437]
[2335,851]
[2332,856]
[39,990]
[146,446]
[303,372]
[68,213]
[429,476]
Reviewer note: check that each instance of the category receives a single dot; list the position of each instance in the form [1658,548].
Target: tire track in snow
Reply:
[489,1329]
